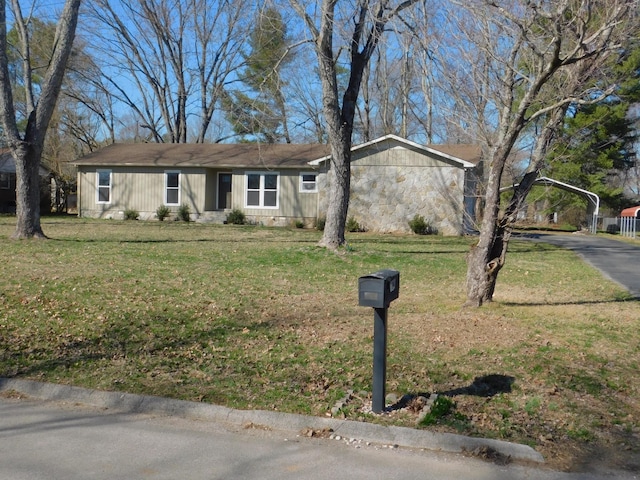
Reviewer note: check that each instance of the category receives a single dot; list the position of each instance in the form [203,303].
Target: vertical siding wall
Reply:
[292,205]
[141,189]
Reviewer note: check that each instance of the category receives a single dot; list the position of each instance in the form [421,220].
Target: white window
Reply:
[172,188]
[308,183]
[104,186]
[262,190]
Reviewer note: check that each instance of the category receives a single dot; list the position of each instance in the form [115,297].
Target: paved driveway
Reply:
[616,259]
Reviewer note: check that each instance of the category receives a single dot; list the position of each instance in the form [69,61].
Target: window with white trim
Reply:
[172,188]
[308,182]
[103,192]
[262,189]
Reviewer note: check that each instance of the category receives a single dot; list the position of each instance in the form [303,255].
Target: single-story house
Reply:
[8,184]
[276,184]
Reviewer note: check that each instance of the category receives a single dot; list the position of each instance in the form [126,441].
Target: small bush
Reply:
[320,221]
[236,217]
[420,226]
[298,224]
[184,213]
[162,212]
[353,225]
[131,214]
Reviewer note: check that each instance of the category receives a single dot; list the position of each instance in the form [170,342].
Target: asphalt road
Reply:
[617,260]
[67,441]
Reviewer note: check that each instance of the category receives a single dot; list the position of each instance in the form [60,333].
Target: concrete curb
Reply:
[401,436]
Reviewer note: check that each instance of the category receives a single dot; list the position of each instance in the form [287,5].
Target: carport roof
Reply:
[630,212]
[593,198]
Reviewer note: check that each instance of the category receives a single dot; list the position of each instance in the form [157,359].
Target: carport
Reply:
[629,221]
[593,200]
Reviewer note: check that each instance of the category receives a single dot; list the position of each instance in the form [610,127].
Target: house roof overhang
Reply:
[254,155]
[8,164]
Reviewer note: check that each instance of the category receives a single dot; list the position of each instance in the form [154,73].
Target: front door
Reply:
[224,191]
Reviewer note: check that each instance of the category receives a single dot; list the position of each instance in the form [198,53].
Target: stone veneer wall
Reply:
[385,197]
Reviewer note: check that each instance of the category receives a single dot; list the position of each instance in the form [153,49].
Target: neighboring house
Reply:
[392,180]
[8,185]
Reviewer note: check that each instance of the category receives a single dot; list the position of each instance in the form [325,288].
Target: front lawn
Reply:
[261,318]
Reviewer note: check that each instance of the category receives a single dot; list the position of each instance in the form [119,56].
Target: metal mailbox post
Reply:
[378,290]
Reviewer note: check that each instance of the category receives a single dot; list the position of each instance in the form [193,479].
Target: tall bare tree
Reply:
[27,146]
[90,114]
[368,20]
[168,60]
[530,60]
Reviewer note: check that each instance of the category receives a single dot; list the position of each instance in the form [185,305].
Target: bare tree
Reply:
[369,20]
[91,113]
[385,94]
[167,60]
[530,60]
[26,147]
[394,78]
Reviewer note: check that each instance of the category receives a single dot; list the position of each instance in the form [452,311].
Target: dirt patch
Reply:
[12,394]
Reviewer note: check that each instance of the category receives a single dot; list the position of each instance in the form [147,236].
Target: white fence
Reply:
[628,226]
[625,226]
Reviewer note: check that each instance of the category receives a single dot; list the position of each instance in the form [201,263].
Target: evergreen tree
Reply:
[596,148]
[261,112]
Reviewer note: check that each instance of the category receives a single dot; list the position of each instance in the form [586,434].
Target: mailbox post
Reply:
[378,290]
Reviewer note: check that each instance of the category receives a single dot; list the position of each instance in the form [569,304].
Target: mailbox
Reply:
[378,289]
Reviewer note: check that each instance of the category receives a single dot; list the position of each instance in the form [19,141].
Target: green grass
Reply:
[253,317]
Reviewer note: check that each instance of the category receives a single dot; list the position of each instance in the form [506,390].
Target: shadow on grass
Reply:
[484,386]
[630,298]
[179,240]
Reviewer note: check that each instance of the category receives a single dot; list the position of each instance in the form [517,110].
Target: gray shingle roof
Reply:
[467,152]
[243,155]
[205,155]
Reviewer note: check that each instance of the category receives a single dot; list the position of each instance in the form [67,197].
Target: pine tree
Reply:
[261,111]
[596,148]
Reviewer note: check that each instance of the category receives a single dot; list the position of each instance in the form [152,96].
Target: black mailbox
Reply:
[378,289]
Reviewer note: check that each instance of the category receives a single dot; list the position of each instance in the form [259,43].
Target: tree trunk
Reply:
[488,256]
[339,190]
[484,263]
[340,185]
[27,193]
[339,119]
[27,151]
